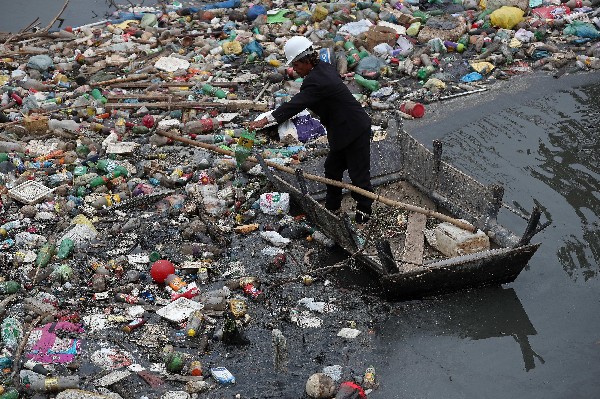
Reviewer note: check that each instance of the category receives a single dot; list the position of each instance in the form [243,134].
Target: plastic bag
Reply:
[370,67]
[254,47]
[287,131]
[482,67]
[471,77]
[275,203]
[507,17]
[307,127]
[581,29]
[524,35]
[255,11]
[222,4]
[551,12]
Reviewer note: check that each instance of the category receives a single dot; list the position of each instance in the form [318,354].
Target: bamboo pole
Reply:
[324,180]
[130,78]
[230,105]
[172,84]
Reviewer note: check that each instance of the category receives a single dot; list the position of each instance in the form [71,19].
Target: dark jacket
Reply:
[325,94]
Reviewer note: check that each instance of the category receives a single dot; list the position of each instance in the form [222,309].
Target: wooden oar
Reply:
[384,200]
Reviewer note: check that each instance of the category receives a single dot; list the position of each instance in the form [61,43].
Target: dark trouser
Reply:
[356,158]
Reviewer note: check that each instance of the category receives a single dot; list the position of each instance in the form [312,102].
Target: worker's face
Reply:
[302,67]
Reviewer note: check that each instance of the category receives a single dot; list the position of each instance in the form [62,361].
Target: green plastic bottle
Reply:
[423,16]
[9,287]
[349,46]
[12,332]
[140,130]
[98,181]
[80,170]
[3,157]
[10,394]
[65,248]
[97,94]
[45,254]
[367,83]
[213,91]
[117,172]
[464,40]
[424,72]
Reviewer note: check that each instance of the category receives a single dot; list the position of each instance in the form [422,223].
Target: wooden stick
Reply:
[130,78]
[324,180]
[166,97]
[172,84]
[231,105]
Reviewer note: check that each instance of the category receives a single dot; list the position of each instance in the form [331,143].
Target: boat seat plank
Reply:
[412,255]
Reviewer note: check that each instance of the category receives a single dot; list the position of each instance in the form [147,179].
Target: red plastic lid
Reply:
[418,110]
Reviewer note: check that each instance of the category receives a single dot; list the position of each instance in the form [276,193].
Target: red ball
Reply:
[161,269]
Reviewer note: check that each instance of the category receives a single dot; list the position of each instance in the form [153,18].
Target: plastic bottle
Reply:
[67,125]
[213,91]
[322,239]
[367,83]
[12,332]
[173,360]
[108,200]
[424,72]
[10,394]
[589,62]
[44,255]
[65,248]
[201,126]
[135,323]
[97,95]
[9,287]
[40,383]
[98,181]
[464,40]
[209,138]
[195,368]
[194,322]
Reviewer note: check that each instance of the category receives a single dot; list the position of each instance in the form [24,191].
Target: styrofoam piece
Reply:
[179,310]
[80,234]
[349,333]
[227,116]
[121,147]
[29,192]
[305,320]
[112,378]
[138,258]
[454,241]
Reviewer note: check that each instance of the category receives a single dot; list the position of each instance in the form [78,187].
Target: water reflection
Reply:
[545,149]
[477,315]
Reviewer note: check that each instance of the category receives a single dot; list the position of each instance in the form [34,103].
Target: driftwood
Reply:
[139,96]
[387,201]
[42,32]
[229,105]
[171,84]
[130,78]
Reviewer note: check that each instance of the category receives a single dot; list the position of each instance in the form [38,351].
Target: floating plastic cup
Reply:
[416,110]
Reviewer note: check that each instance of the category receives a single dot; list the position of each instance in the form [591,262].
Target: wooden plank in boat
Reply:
[412,255]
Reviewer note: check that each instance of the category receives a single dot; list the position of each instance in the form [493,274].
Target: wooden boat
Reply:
[406,265]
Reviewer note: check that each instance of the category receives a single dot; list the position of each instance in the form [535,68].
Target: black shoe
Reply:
[361,217]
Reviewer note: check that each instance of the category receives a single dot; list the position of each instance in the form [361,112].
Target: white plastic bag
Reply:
[275,203]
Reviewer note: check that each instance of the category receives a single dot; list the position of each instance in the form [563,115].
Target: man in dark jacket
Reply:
[348,125]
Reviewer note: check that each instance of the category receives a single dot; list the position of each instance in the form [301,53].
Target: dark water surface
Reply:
[538,337]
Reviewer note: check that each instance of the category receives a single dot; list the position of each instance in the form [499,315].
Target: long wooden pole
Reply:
[384,200]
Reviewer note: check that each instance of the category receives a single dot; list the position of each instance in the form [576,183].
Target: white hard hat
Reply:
[295,47]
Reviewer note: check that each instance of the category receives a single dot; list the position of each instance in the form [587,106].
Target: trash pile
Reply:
[143,252]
